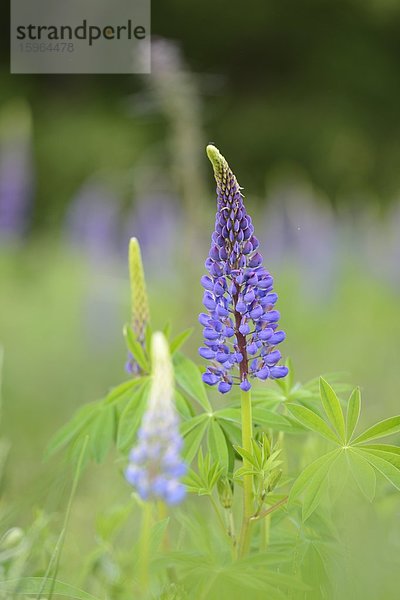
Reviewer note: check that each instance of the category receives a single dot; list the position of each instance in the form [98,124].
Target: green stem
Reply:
[217,512]
[270,510]
[223,525]
[247,434]
[144,549]
[264,533]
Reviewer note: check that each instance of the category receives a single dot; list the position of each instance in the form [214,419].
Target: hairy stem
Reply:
[247,434]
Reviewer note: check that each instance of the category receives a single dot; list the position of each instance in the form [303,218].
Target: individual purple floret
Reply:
[155,465]
[241,323]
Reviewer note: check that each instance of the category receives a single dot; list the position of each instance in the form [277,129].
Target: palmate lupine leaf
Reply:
[102,433]
[179,340]
[317,485]
[81,421]
[320,465]
[261,416]
[381,429]
[207,477]
[362,461]
[194,437]
[312,421]
[183,406]
[219,578]
[188,377]
[332,408]
[131,416]
[386,468]
[217,444]
[363,473]
[353,413]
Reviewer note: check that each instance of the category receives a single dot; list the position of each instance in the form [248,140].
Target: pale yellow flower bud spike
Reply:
[139,302]
[135,332]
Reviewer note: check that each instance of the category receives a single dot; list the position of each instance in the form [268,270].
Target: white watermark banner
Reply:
[80,36]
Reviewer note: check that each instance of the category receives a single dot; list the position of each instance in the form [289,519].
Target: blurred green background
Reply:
[303,99]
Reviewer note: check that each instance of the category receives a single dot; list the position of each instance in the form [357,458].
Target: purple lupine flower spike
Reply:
[241,323]
[155,465]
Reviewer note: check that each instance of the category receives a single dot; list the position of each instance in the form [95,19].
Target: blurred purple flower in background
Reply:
[92,230]
[155,218]
[16,171]
[92,223]
[240,326]
[300,230]
[375,240]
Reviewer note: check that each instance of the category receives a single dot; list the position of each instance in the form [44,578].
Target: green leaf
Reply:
[267,397]
[388,470]
[268,418]
[136,349]
[194,483]
[71,429]
[28,586]
[229,414]
[131,417]
[305,477]
[392,457]
[232,430]
[316,486]
[217,444]
[157,534]
[190,424]
[353,413]
[180,339]
[381,429]
[362,472]
[332,407]
[167,329]
[182,406]
[246,455]
[189,378]
[110,521]
[101,433]
[123,391]
[193,440]
[383,448]
[312,421]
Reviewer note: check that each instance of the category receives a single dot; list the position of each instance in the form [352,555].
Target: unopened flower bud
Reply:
[225,492]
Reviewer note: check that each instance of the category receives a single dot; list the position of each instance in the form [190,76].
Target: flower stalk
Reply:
[247,434]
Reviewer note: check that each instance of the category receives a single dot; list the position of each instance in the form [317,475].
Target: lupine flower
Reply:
[155,465]
[139,302]
[241,323]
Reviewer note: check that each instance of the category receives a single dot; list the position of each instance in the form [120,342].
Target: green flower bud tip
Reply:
[139,301]
[218,162]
